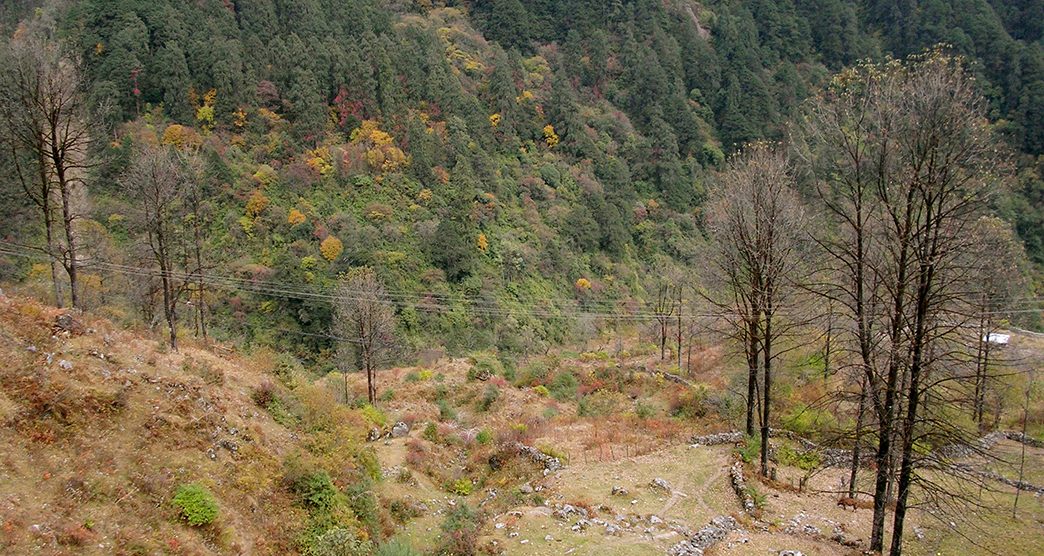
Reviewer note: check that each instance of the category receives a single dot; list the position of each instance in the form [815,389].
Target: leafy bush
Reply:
[364,505]
[369,463]
[542,390]
[554,452]
[446,412]
[402,511]
[412,376]
[374,416]
[531,374]
[195,504]
[484,437]
[430,433]
[690,404]
[484,364]
[287,369]
[643,410]
[339,541]
[459,531]
[563,387]
[489,397]
[804,419]
[758,498]
[462,487]
[805,461]
[316,490]
[750,450]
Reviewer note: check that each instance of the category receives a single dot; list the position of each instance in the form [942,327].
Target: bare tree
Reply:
[758,223]
[156,182]
[365,323]
[905,160]
[996,280]
[41,105]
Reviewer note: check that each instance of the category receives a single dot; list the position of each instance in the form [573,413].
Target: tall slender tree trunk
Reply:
[168,295]
[752,378]
[767,345]
[857,444]
[887,414]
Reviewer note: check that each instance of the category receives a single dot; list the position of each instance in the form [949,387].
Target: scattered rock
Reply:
[660,484]
[791,553]
[526,488]
[65,365]
[374,435]
[739,484]
[551,464]
[707,536]
[655,520]
[619,491]
[65,324]
[548,538]
[400,430]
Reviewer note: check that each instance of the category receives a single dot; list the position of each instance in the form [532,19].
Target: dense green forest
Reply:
[504,165]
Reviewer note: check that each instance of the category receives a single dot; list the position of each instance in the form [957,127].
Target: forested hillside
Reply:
[504,166]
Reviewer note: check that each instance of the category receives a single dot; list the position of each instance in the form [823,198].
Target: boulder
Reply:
[400,430]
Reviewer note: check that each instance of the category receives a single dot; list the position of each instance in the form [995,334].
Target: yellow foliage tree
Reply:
[331,248]
[483,243]
[180,137]
[318,161]
[295,217]
[550,137]
[425,195]
[257,203]
[583,284]
[265,175]
[494,119]
[205,113]
[381,153]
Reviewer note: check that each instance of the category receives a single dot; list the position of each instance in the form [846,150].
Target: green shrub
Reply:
[484,437]
[462,487]
[459,532]
[316,490]
[430,433]
[643,410]
[804,419]
[402,511]
[542,390]
[750,450]
[287,369]
[369,463]
[531,374]
[374,416]
[413,376]
[690,404]
[484,364]
[364,505]
[339,541]
[758,498]
[563,387]
[446,412]
[489,397]
[553,452]
[195,504]
[805,461]
[388,395]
